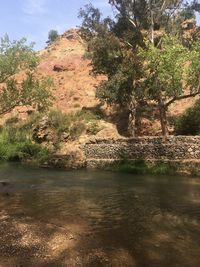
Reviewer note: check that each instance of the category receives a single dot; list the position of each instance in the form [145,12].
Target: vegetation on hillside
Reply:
[52,36]
[142,53]
[189,122]
[25,140]
[18,58]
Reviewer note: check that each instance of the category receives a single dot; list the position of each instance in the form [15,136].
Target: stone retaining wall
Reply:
[180,149]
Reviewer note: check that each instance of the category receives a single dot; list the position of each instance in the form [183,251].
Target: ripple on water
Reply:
[152,220]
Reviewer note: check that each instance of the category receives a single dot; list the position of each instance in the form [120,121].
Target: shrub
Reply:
[189,122]
[93,128]
[74,124]
[16,146]
[12,120]
[59,121]
[52,36]
[77,129]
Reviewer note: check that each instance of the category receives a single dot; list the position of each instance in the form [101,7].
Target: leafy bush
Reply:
[15,145]
[52,36]
[59,121]
[77,129]
[74,124]
[93,128]
[189,122]
[23,151]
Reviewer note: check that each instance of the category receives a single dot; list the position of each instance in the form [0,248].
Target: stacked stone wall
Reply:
[176,149]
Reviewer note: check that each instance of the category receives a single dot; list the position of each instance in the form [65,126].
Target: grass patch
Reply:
[141,167]
[16,137]
[23,151]
[15,145]
[75,123]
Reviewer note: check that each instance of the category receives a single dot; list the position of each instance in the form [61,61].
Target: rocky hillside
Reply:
[74,87]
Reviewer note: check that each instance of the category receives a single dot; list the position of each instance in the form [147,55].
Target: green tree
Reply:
[123,86]
[189,122]
[155,73]
[52,36]
[18,57]
[112,55]
[172,74]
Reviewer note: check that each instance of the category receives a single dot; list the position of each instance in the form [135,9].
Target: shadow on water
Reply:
[97,219]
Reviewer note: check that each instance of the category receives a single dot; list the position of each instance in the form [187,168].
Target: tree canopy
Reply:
[52,36]
[18,57]
[140,52]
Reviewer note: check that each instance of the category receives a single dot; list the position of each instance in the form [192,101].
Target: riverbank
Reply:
[142,155]
[175,154]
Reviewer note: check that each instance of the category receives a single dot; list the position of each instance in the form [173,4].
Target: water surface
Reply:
[92,219]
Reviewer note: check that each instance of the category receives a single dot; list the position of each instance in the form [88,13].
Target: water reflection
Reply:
[82,218]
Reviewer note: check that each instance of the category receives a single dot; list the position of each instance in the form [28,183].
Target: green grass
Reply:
[75,123]
[15,145]
[16,136]
[140,167]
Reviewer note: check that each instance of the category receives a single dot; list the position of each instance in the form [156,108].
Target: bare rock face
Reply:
[59,68]
[73,34]
[42,132]
[70,156]
[190,31]
[189,24]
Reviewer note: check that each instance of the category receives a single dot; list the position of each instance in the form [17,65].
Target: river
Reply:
[97,219]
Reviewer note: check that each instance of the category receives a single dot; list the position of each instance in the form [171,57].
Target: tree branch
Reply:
[180,98]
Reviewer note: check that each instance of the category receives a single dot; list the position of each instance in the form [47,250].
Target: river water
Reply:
[97,219]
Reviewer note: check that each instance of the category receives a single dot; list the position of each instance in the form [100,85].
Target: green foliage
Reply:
[59,121]
[76,129]
[14,145]
[32,92]
[140,65]
[52,36]
[15,57]
[140,167]
[32,120]
[106,54]
[12,120]
[93,128]
[164,68]
[74,124]
[92,22]
[189,122]
[86,116]
[193,77]
[166,14]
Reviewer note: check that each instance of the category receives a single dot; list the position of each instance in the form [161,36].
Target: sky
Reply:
[33,19]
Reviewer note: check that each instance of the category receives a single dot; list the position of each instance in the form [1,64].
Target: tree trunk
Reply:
[131,123]
[132,117]
[138,120]
[163,117]
[135,118]
[152,22]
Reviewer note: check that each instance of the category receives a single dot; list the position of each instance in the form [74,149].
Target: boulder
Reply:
[59,68]
[43,132]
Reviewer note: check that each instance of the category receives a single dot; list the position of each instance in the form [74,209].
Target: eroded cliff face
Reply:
[74,86]
[64,61]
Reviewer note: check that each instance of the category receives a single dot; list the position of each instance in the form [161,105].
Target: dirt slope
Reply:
[74,87]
